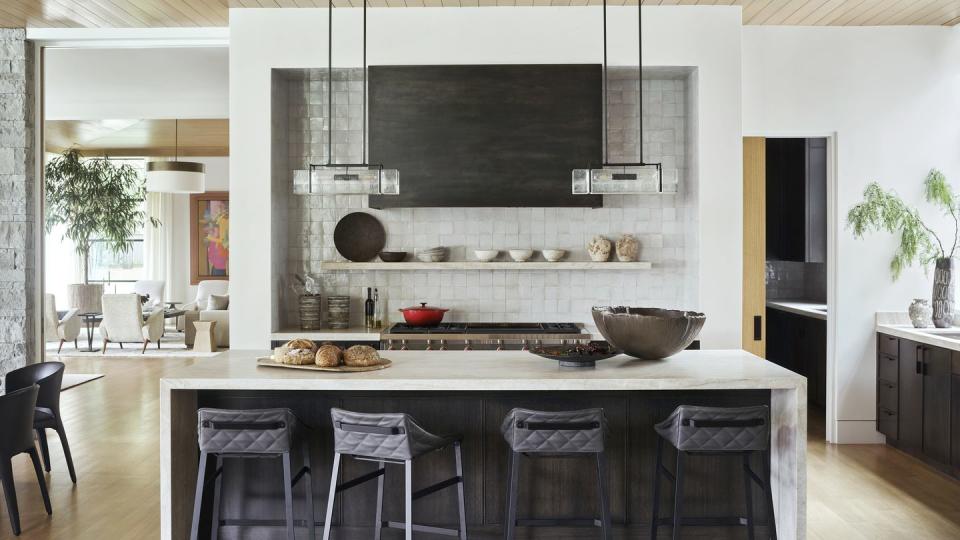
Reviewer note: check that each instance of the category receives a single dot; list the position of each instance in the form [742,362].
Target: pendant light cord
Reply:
[363,123]
[640,76]
[330,82]
[606,90]
[176,139]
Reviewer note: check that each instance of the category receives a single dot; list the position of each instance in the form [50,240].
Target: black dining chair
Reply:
[16,425]
[48,375]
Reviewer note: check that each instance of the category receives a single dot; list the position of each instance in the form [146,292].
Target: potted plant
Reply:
[883,210]
[93,199]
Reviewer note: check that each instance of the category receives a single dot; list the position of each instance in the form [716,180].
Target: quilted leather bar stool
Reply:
[391,438]
[568,434]
[715,431]
[251,434]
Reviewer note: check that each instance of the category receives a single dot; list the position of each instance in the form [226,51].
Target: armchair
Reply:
[55,328]
[153,289]
[123,322]
[204,290]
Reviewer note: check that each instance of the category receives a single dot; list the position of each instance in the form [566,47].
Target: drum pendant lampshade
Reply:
[176,176]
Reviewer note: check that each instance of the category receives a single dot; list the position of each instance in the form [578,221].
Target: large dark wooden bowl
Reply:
[648,333]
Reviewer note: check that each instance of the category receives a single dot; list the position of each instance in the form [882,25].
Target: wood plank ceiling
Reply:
[141,138]
[174,13]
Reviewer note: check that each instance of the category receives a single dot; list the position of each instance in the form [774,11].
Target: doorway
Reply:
[789,223]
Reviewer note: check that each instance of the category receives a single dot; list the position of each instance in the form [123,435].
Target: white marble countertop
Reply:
[800,307]
[494,370]
[898,325]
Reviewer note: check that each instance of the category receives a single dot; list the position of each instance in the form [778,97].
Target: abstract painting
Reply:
[209,236]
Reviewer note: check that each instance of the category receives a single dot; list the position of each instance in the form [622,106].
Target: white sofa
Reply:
[197,311]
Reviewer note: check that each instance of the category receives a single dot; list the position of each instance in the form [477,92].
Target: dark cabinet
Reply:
[799,343]
[918,402]
[796,186]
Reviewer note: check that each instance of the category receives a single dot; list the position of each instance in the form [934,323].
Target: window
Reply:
[118,271]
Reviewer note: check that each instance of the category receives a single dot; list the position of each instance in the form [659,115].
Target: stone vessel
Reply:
[921,314]
[943,293]
[628,248]
[599,249]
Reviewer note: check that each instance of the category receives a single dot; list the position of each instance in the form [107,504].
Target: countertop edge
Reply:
[921,335]
[798,308]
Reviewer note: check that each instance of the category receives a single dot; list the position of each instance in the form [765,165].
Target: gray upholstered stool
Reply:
[262,433]
[393,438]
[570,434]
[743,431]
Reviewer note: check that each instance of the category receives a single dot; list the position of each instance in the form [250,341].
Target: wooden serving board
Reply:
[268,361]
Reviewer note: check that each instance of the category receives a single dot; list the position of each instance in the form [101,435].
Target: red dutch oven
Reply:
[423,315]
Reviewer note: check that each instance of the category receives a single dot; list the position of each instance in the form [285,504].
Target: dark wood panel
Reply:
[911,396]
[955,423]
[888,345]
[549,487]
[936,404]
[490,135]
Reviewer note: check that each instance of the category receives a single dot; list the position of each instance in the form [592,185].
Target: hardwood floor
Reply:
[855,491]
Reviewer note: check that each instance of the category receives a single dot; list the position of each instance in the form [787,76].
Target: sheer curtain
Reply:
[158,241]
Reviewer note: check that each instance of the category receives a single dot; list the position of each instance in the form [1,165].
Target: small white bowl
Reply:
[554,255]
[486,255]
[521,255]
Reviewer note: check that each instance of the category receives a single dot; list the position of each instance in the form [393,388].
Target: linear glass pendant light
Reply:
[175,176]
[623,178]
[349,178]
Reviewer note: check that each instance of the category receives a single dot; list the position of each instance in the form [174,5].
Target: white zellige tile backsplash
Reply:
[665,225]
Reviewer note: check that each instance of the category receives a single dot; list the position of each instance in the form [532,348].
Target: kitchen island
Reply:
[470,393]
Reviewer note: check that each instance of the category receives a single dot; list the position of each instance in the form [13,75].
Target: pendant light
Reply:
[350,178]
[175,176]
[622,178]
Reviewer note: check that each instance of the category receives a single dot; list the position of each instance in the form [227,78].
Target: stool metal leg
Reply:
[678,497]
[513,495]
[408,499]
[461,508]
[604,494]
[198,496]
[308,486]
[655,520]
[328,520]
[748,494]
[218,477]
[288,495]
[771,516]
[378,526]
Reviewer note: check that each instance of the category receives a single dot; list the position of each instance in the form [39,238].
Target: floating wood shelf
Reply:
[477,265]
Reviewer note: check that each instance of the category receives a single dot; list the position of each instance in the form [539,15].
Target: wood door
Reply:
[754,245]
[911,395]
[936,404]
[955,417]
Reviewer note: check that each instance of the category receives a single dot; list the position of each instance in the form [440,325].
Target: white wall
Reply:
[707,38]
[217,179]
[141,83]
[892,97]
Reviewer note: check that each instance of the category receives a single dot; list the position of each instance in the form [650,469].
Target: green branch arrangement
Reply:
[883,210]
[94,199]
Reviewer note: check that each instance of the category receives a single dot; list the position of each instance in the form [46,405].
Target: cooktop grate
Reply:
[486,328]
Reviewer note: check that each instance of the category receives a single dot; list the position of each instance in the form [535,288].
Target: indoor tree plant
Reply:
[883,210]
[93,199]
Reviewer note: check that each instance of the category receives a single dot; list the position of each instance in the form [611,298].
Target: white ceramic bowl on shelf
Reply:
[521,255]
[486,255]
[554,255]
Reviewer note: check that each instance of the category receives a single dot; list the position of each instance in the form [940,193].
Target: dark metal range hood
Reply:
[486,135]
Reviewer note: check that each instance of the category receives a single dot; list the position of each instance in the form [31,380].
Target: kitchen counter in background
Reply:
[800,307]
[327,334]
[470,392]
[898,325]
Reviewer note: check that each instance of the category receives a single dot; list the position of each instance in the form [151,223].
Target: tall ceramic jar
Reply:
[943,293]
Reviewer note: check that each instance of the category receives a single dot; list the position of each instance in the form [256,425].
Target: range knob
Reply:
[443,345]
[429,345]
[499,344]
[390,346]
[525,346]
[466,345]
[403,344]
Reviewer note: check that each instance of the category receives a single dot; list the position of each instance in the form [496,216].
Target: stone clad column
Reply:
[18,219]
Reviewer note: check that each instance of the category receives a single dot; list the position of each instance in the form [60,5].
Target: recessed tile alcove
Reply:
[666,225]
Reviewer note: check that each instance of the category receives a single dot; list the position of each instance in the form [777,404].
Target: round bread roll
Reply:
[329,355]
[361,356]
[299,357]
[301,344]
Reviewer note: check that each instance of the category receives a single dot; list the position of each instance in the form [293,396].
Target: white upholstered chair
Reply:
[123,322]
[55,328]
[204,290]
[153,288]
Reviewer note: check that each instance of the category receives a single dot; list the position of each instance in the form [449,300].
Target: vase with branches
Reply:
[883,210]
[94,199]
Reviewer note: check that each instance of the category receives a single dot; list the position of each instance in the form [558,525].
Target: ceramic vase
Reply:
[921,314]
[943,293]
[599,249]
[628,248]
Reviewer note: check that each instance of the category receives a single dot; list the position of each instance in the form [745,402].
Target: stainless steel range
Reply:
[481,336]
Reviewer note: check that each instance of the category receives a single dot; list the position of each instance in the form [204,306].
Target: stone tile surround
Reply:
[666,225]
[17,198]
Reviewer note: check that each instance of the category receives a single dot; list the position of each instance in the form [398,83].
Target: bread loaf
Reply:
[361,356]
[329,355]
[299,357]
[301,344]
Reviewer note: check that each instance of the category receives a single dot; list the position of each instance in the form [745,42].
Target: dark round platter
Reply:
[359,237]
[578,356]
